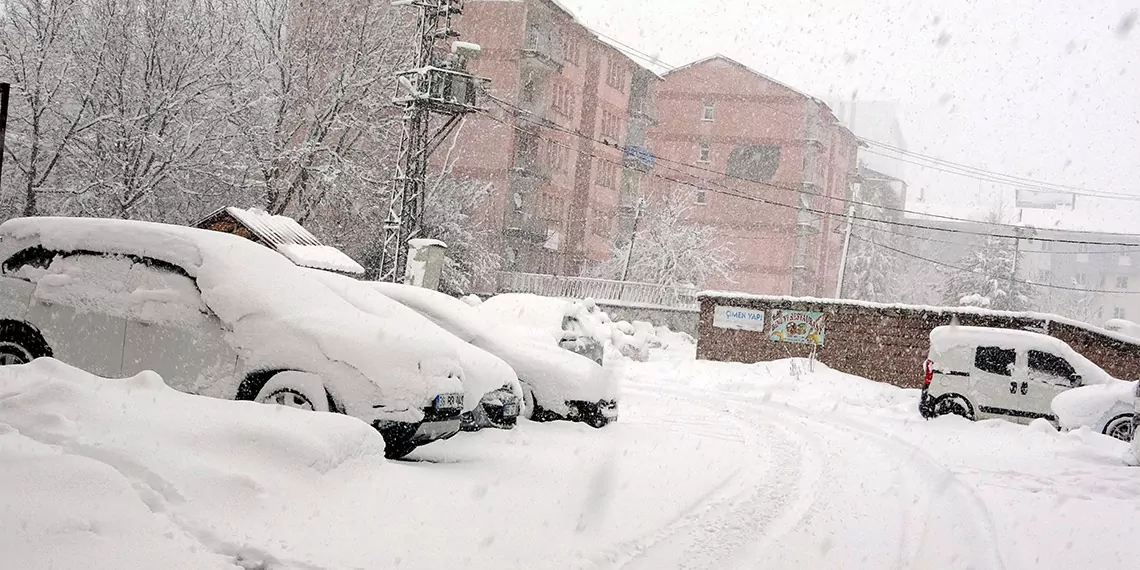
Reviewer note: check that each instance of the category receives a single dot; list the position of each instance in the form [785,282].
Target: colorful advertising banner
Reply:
[800,327]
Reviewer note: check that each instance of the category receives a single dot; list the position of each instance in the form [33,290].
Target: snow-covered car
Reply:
[492,394]
[1105,408]
[568,322]
[557,384]
[980,372]
[216,315]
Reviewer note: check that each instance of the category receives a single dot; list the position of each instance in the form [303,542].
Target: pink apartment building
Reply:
[770,166]
[569,103]
[552,147]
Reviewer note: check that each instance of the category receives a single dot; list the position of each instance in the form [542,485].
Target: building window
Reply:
[602,222]
[1080,279]
[704,153]
[616,78]
[562,100]
[1118,313]
[1122,282]
[707,112]
[607,174]
[570,52]
[702,197]
[1124,261]
[611,124]
[557,155]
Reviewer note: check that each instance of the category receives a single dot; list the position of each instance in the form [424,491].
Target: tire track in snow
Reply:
[930,502]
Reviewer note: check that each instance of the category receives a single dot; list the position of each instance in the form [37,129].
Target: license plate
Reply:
[510,410]
[448,401]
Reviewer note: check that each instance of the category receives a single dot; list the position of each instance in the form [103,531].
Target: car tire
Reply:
[20,344]
[289,388]
[952,405]
[529,404]
[1120,427]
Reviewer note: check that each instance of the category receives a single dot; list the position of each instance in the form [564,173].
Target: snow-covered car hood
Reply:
[278,317]
[1093,405]
[556,375]
[483,372]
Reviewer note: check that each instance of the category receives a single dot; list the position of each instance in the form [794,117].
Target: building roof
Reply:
[290,239]
[725,58]
[628,52]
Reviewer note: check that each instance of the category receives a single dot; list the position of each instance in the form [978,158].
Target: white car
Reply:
[568,323]
[557,384]
[492,394]
[979,372]
[216,315]
[1105,408]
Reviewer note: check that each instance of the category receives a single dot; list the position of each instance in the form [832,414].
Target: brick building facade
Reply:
[579,131]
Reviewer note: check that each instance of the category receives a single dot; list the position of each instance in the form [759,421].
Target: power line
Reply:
[551,126]
[1028,238]
[999,177]
[1019,281]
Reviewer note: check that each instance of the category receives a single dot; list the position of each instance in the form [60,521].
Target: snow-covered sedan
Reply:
[217,315]
[1107,408]
[492,394]
[569,323]
[557,383]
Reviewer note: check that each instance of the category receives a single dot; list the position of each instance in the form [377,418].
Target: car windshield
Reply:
[562,284]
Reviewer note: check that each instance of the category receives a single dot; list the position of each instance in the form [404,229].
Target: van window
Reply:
[995,360]
[1043,364]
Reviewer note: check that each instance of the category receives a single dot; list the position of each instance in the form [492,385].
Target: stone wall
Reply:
[889,343]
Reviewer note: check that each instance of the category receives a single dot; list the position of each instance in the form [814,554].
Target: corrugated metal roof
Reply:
[292,240]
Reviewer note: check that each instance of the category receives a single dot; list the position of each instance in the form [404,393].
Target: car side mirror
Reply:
[1075,380]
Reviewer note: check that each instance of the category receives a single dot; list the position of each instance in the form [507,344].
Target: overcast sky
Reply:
[1048,89]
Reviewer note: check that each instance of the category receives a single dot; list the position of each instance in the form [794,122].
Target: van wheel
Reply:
[20,343]
[953,405]
[1120,427]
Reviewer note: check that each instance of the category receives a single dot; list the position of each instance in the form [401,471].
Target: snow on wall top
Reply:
[1044,317]
[293,241]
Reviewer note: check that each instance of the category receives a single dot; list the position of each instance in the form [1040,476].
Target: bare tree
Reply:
[315,108]
[53,61]
[161,102]
[669,248]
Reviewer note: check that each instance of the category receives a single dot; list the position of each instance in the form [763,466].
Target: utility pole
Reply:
[855,187]
[629,252]
[4,88]
[438,85]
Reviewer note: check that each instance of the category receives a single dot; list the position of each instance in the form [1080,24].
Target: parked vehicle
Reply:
[1105,408]
[567,322]
[556,383]
[217,315]
[492,394]
[978,372]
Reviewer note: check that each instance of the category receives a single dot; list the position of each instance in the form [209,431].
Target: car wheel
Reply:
[20,344]
[293,389]
[1120,427]
[529,405]
[953,405]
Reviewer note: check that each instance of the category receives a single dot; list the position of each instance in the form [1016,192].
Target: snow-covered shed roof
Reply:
[283,234]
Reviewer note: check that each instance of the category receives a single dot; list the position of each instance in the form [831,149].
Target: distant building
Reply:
[782,150]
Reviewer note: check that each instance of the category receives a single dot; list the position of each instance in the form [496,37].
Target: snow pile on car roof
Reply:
[555,374]
[959,336]
[278,316]
[129,473]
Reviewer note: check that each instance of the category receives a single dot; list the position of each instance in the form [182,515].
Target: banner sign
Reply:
[1045,200]
[800,327]
[738,318]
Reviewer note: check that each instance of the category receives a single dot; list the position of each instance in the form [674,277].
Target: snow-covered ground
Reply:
[711,465]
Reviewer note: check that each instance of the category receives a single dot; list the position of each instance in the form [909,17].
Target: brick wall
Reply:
[890,343]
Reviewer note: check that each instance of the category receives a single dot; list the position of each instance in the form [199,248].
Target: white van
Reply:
[979,373]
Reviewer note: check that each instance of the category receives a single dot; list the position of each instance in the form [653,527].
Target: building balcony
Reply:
[527,227]
[542,57]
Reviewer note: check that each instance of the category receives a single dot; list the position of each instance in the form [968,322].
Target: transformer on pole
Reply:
[438,85]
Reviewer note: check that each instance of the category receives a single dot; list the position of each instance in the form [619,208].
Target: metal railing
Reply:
[601,290]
